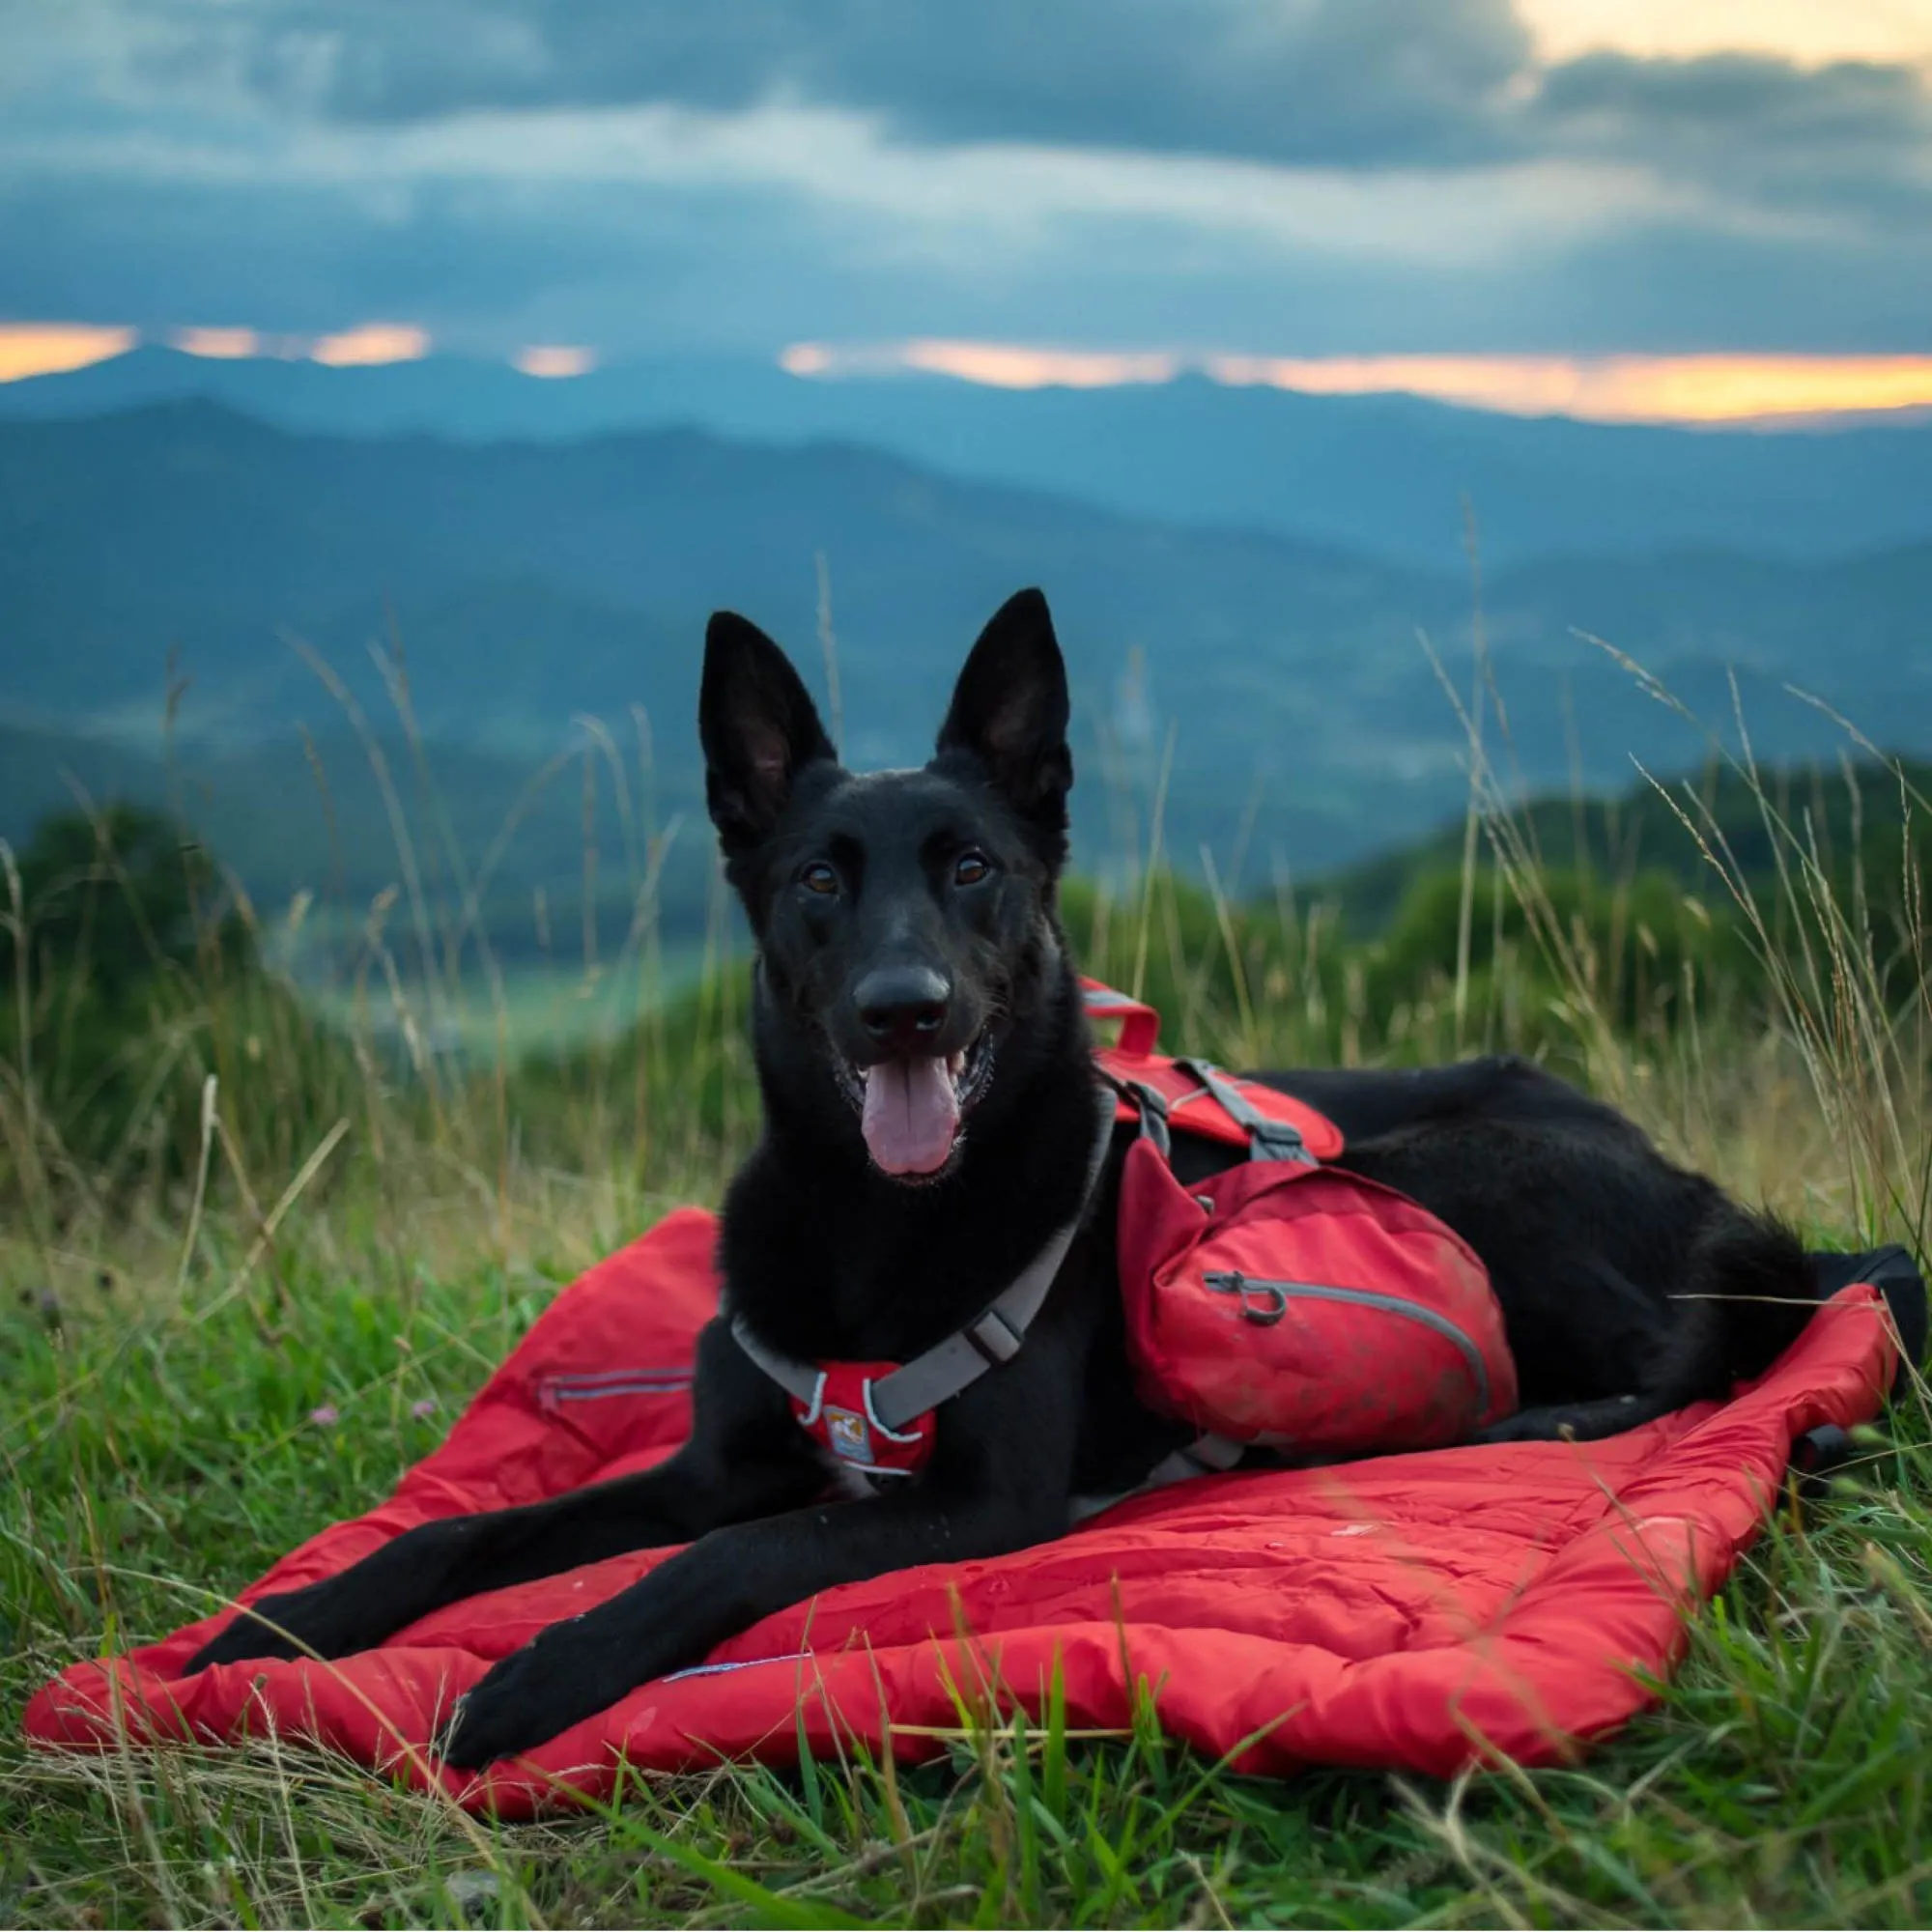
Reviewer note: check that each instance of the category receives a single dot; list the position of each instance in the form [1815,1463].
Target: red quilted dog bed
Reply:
[1418,1612]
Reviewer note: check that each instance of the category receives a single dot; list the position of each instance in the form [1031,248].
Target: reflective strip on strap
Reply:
[1140,1023]
[1268,1139]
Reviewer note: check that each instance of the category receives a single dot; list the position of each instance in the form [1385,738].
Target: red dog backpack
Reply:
[1282,1305]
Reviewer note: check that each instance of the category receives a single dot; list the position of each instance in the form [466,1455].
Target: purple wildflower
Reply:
[327,1416]
[424,1408]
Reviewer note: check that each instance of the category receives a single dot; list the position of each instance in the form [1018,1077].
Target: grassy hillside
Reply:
[250,1273]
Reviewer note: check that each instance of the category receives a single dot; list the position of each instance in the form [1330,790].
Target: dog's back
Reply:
[1630,1286]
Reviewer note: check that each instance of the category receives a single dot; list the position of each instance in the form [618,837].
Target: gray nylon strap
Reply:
[1150,1105]
[798,1379]
[987,1340]
[1207,1455]
[994,1337]
[1268,1139]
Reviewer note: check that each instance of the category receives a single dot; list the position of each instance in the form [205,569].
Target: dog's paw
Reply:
[508,1712]
[268,1630]
[321,1620]
[554,1681]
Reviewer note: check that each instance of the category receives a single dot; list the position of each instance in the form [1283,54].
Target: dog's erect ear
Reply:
[758,727]
[1009,710]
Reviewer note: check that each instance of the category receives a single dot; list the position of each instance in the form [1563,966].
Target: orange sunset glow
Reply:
[373,342]
[1705,388]
[222,345]
[52,348]
[1701,389]
[554,360]
[1809,32]
[995,364]
[1617,388]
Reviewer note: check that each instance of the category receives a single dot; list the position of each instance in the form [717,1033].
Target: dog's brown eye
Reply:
[819,878]
[969,867]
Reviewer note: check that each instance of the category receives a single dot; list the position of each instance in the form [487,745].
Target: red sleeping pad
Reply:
[1416,1611]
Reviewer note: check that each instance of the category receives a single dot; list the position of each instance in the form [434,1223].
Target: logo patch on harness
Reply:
[846,1434]
[842,1420]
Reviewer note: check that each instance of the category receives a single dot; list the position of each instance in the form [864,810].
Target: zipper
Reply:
[555,1391]
[1264,1314]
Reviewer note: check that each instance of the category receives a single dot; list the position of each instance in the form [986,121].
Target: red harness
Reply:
[842,1418]
[1284,1303]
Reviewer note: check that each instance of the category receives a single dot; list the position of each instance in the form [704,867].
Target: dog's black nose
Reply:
[903,1008]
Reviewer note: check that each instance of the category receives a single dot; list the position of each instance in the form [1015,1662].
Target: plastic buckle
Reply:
[1152,1108]
[1277,1140]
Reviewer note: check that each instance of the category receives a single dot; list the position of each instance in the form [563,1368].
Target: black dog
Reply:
[929,1116]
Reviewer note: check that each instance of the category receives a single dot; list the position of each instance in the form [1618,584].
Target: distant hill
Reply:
[1385,476]
[292,817]
[1856,814]
[525,583]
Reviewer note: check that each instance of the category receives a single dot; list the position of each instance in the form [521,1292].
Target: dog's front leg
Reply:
[999,1481]
[746,1457]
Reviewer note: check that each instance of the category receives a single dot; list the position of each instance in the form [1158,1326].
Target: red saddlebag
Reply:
[1284,1303]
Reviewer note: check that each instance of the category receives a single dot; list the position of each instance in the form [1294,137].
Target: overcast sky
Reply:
[1262,176]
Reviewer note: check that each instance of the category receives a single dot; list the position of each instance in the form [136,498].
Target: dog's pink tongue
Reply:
[912,1115]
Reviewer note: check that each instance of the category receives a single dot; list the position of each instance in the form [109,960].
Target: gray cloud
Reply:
[1757,126]
[1365,84]
[1720,96]
[298,165]
[733,270]
[737,271]
[1346,82]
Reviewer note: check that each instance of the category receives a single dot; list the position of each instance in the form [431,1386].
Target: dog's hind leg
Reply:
[1577,1421]
[1748,1289]
[1748,1293]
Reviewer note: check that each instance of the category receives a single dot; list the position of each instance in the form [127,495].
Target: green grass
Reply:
[161,1449]
[373,1245]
